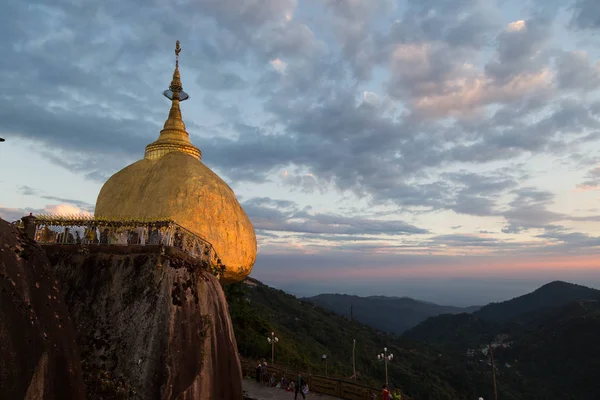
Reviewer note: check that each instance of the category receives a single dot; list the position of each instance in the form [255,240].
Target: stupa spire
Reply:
[173,136]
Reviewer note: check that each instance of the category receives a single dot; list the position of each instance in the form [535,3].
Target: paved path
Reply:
[259,392]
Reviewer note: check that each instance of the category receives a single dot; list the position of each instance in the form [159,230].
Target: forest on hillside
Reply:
[551,353]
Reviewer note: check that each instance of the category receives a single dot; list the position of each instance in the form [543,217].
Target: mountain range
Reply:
[307,331]
[388,314]
[545,343]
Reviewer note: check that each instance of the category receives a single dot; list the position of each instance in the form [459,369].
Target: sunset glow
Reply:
[369,142]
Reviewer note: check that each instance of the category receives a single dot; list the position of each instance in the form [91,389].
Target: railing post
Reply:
[37,232]
[29,225]
[170,236]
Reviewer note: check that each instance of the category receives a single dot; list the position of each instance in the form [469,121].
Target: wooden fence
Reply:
[319,384]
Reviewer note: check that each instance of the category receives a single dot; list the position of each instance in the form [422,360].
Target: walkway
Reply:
[257,391]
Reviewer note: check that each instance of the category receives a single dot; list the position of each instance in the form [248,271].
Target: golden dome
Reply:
[172,182]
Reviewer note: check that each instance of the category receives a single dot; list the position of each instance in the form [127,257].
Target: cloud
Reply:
[371,98]
[517,26]
[437,82]
[529,209]
[586,14]
[220,80]
[79,205]
[459,25]
[592,180]
[521,50]
[465,241]
[278,65]
[305,182]
[284,216]
[426,114]
[15,214]
[576,71]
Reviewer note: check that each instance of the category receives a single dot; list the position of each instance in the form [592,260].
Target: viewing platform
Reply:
[323,387]
[87,231]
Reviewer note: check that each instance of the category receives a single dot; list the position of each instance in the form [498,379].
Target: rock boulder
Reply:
[39,358]
[151,323]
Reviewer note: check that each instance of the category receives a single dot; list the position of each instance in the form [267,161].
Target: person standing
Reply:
[264,372]
[258,372]
[299,386]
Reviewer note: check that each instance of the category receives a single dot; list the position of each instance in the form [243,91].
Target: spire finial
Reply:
[175,91]
[173,136]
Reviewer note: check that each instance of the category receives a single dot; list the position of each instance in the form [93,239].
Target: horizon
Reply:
[447,150]
[516,288]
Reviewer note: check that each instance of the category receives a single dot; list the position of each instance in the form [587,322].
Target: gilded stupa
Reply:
[172,182]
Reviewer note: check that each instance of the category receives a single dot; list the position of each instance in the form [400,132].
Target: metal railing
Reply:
[90,231]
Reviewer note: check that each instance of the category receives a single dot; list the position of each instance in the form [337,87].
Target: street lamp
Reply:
[385,357]
[273,339]
[324,358]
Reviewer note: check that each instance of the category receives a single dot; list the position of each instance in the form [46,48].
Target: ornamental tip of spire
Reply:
[175,91]
[173,136]
[176,94]
[177,51]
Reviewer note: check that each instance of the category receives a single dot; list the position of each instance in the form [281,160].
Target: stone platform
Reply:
[256,391]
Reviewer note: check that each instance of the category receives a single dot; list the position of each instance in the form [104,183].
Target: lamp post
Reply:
[385,357]
[273,339]
[493,370]
[324,358]
[353,358]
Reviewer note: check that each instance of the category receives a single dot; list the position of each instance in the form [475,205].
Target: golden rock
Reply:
[172,182]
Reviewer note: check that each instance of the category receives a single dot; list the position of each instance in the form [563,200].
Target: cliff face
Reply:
[149,325]
[38,353]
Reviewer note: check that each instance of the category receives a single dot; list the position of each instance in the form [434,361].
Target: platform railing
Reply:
[90,231]
[340,388]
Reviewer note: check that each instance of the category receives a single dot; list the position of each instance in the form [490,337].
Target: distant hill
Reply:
[548,297]
[558,352]
[549,338]
[388,314]
[455,332]
[511,316]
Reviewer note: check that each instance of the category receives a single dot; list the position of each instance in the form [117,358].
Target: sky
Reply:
[444,150]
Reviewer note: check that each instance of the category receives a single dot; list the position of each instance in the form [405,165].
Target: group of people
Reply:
[387,394]
[298,385]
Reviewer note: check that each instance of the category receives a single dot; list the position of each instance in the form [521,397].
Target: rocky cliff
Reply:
[151,323]
[38,354]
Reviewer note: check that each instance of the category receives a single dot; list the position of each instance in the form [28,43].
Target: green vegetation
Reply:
[454,332]
[551,349]
[550,335]
[307,332]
